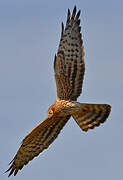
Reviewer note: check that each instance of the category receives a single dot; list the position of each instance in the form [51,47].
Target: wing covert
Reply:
[69,64]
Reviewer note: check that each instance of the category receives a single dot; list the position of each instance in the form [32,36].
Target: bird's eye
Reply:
[50,112]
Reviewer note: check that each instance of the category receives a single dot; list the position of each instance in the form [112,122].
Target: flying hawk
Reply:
[69,68]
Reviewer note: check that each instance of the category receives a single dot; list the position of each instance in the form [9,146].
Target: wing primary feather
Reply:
[16,171]
[62,32]
[78,14]
[54,61]
[74,13]
[68,16]
[11,172]
[8,169]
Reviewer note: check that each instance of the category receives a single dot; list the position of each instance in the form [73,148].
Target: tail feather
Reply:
[91,115]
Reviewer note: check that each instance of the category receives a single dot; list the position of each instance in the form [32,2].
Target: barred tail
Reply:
[91,115]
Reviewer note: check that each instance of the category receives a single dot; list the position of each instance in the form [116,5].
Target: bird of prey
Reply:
[69,68]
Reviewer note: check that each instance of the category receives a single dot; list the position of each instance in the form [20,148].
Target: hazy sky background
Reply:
[29,37]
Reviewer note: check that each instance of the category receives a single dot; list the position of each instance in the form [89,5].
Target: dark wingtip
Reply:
[16,171]
[62,29]
[78,14]
[74,12]
[54,61]
[68,12]
[11,161]
[68,16]
[8,169]
[11,169]
[11,172]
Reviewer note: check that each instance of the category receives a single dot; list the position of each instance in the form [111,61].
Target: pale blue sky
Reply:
[29,36]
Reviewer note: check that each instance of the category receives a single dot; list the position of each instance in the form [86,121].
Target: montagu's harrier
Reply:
[69,68]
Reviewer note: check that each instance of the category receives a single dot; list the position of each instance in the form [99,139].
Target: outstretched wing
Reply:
[69,64]
[91,115]
[36,141]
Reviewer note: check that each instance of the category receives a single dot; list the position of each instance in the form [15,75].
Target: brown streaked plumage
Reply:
[91,115]
[36,141]
[69,68]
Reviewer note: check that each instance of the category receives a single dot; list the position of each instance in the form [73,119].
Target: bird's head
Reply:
[60,108]
[51,111]
[56,109]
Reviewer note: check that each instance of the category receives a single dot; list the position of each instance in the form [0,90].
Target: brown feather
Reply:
[91,115]
[70,59]
[36,141]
